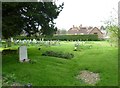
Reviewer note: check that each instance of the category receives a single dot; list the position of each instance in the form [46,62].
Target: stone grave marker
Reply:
[34,41]
[42,39]
[20,42]
[24,41]
[15,42]
[47,43]
[30,41]
[23,56]
[76,46]
[12,40]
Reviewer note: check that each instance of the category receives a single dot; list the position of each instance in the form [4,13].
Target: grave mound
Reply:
[88,77]
[58,54]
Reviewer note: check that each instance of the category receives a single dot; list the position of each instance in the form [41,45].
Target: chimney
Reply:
[80,25]
[73,26]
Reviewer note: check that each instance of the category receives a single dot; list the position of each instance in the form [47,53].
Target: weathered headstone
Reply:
[20,42]
[12,40]
[42,39]
[17,41]
[76,46]
[48,43]
[23,56]
[34,41]
[23,41]
[30,41]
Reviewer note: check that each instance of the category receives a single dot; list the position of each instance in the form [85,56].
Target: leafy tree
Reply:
[112,28]
[11,20]
[29,16]
[113,34]
[43,15]
[63,31]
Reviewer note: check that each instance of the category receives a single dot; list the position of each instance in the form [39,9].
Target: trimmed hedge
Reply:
[90,37]
[25,37]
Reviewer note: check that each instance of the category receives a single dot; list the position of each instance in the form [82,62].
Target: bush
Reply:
[9,80]
[9,51]
[58,54]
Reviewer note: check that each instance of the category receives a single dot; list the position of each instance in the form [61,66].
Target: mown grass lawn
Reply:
[52,71]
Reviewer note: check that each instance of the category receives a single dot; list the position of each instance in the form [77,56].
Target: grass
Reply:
[53,71]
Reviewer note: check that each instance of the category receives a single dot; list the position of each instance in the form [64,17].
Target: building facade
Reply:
[85,30]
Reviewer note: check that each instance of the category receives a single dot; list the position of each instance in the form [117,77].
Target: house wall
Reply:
[100,35]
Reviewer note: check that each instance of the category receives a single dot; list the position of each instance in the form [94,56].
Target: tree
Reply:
[63,31]
[28,16]
[113,33]
[112,28]
[11,21]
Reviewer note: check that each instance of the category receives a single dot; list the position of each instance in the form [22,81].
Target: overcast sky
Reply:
[85,12]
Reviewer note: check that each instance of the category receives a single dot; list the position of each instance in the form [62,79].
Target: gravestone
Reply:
[23,56]
[42,39]
[27,41]
[34,41]
[30,41]
[50,43]
[12,40]
[23,41]
[76,46]
[16,42]
[47,43]
[20,42]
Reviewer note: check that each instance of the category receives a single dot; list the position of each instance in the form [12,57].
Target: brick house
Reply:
[97,31]
[85,30]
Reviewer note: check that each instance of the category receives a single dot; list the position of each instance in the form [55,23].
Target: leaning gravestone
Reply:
[23,56]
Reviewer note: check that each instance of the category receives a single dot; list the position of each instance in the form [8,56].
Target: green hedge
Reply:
[91,37]
[25,37]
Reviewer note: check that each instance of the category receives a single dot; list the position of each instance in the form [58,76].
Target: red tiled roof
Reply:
[83,30]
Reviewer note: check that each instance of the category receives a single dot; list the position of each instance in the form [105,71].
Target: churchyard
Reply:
[36,52]
[59,63]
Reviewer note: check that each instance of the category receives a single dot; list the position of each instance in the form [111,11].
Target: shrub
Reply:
[10,80]
[9,51]
[58,54]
